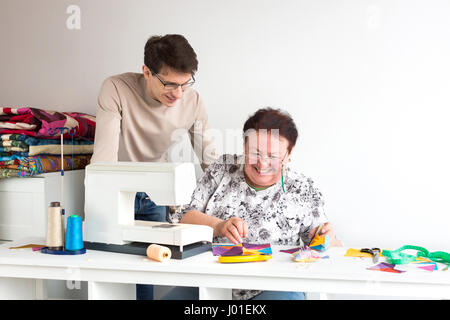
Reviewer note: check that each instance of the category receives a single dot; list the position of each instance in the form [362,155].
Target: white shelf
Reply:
[24,202]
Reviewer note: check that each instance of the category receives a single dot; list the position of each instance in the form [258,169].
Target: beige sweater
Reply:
[132,126]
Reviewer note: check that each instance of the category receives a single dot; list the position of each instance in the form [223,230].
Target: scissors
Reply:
[375,252]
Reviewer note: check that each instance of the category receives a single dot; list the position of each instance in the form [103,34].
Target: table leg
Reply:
[206,293]
[111,291]
[22,289]
[324,296]
[41,289]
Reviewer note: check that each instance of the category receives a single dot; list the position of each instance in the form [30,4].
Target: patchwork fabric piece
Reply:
[305,254]
[25,141]
[425,264]
[385,267]
[31,166]
[320,243]
[30,146]
[13,149]
[293,250]
[351,252]
[30,141]
[244,252]
[242,249]
[43,123]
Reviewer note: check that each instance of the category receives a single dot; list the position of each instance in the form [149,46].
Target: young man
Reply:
[137,114]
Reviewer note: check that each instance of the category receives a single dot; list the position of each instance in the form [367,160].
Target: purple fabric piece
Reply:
[217,250]
[291,250]
[255,246]
[231,250]
[387,267]
[222,251]
[383,265]
[235,251]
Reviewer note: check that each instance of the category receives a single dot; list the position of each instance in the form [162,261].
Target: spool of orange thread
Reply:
[158,253]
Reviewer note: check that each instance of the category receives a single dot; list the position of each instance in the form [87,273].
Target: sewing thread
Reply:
[158,253]
[55,232]
[74,233]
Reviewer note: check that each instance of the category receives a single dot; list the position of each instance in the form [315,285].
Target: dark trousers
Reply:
[146,209]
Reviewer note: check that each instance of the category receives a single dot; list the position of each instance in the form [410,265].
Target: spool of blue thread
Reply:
[74,233]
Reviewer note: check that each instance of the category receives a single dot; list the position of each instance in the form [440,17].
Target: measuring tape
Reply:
[398,257]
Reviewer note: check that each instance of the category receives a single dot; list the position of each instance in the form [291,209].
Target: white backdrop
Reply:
[366,81]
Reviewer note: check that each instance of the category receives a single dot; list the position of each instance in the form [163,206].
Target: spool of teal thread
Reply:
[74,233]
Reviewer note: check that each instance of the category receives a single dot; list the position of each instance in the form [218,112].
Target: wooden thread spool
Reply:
[158,253]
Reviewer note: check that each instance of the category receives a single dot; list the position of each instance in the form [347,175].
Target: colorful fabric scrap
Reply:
[30,141]
[30,146]
[242,249]
[244,252]
[427,266]
[31,166]
[320,243]
[40,123]
[293,250]
[305,254]
[385,267]
[358,254]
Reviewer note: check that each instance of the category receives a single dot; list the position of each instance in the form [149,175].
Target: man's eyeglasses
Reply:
[174,86]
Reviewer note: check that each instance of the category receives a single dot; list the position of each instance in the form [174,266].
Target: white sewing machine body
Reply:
[110,198]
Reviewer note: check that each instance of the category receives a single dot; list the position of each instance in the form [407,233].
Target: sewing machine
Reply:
[110,190]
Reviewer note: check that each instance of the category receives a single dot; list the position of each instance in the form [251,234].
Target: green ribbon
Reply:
[398,257]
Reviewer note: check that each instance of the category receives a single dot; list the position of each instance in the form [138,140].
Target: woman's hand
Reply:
[234,229]
[327,229]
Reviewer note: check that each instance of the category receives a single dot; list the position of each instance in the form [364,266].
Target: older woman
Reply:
[257,197]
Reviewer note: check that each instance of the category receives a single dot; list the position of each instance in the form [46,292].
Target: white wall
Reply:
[366,81]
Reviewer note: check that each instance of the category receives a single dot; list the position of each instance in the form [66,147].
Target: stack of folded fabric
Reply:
[30,141]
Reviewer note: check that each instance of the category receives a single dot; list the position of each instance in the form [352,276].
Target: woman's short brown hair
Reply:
[273,119]
[171,50]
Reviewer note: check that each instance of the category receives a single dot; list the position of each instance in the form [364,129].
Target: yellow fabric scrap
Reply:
[357,253]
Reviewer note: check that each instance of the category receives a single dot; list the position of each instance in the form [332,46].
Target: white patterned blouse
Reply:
[272,215]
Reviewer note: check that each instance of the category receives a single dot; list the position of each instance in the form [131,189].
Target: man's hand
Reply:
[234,229]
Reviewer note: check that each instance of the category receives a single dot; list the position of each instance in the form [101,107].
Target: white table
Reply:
[113,276]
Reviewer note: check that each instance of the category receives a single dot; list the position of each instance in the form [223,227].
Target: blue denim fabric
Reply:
[181,293]
[146,209]
[191,293]
[280,295]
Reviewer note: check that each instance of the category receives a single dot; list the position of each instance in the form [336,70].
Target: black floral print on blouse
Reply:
[272,216]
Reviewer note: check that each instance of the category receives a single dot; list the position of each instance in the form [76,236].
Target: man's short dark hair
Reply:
[171,50]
